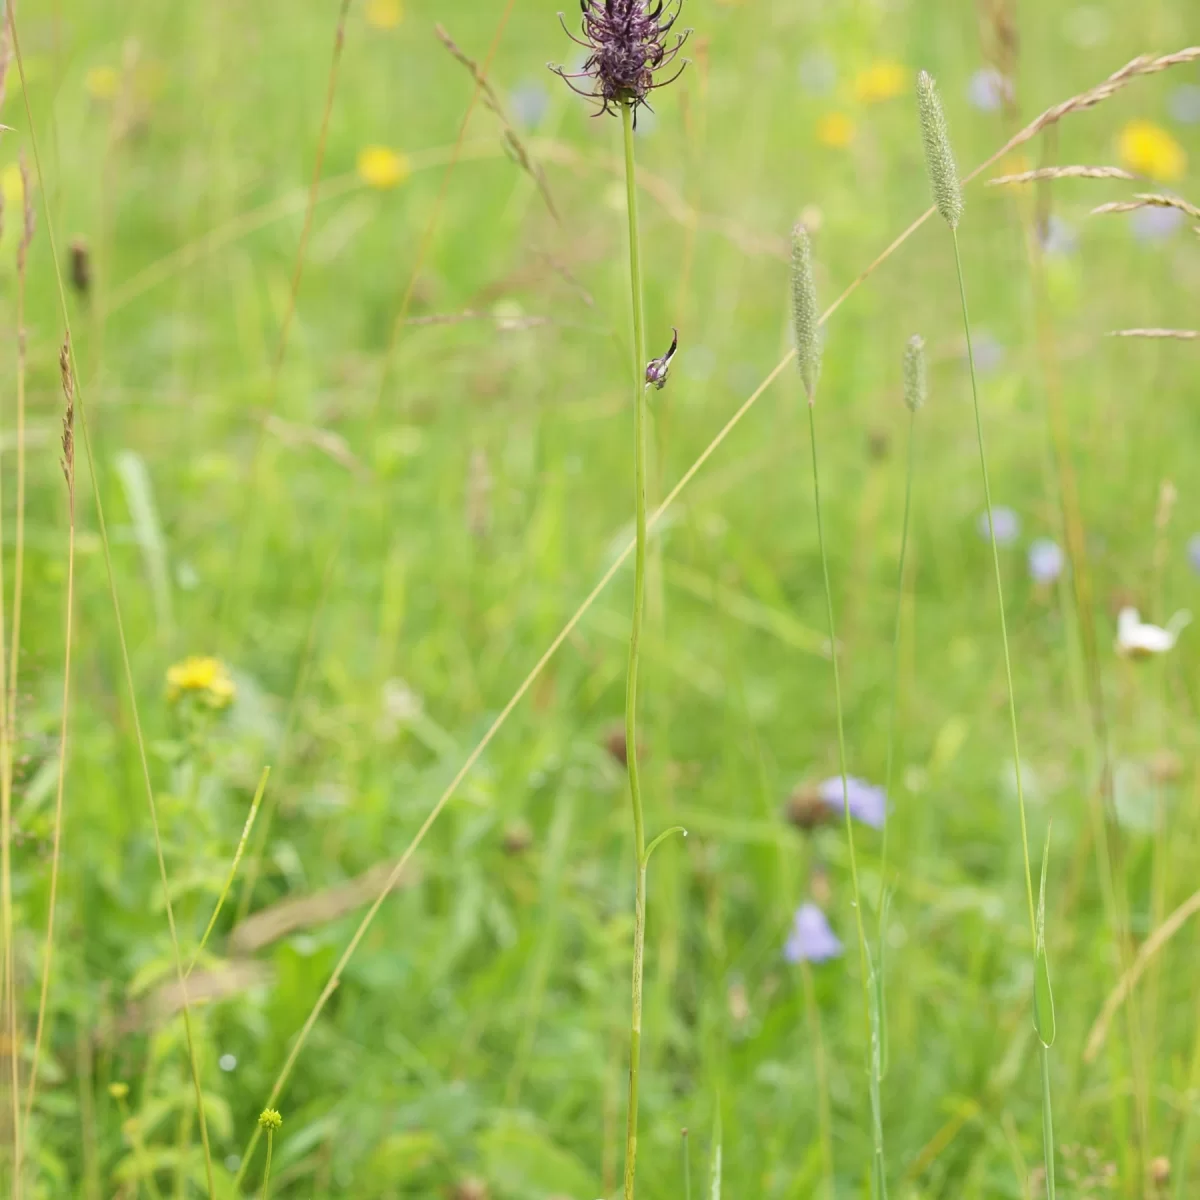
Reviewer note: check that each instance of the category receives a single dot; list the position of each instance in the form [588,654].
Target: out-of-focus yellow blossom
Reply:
[881,81]
[385,14]
[381,167]
[1150,150]
[835,129]
[205,678]
[13,188]
[102,83]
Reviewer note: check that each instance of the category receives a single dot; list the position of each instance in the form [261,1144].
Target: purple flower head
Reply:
[866,802]
[1046,560]
[1193,552]
[1008,525]
[989,89]
[627,42]
[1155,224]
[811,939]
[989,352]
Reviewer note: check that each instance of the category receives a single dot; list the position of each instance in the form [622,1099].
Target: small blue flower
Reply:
[989,352]
[1184,104]
[1193,552]
[1008,525]
[818,74]
[1046,560]
[529,102]
[1155,224]
[989,89]
[811,939]
[867,803]
[1058,237]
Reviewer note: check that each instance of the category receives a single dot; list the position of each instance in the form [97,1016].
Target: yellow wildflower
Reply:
[835,129]
[206,678]
[12,185]
[385,14]
[1150,150]
[881,81]
[102,83]
[381,167]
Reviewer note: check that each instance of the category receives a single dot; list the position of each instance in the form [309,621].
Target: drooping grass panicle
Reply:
[806,318]
[916,374]
[1148,200]
[939,157]
[1067,172]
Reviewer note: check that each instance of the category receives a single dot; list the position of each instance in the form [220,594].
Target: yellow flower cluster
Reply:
[881,81]
[1150,150]
[207,679]
[381,167]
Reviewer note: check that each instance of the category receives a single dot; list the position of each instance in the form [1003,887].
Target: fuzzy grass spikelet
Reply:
[939,157]
[916,377]
[805,316]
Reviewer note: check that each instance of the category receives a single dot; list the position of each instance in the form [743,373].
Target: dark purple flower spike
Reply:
[628,41]
[657,369]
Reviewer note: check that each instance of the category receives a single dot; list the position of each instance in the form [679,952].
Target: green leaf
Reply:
[1043,997]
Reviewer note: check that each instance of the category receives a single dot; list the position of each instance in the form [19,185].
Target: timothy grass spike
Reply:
[805,315]
[916,374]
[939,157]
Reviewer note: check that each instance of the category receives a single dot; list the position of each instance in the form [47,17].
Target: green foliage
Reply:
[480,1029]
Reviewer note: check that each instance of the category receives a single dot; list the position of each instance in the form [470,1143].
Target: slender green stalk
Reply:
[266,1187]
[112,586]
[687,1168]
[68,466]
[635,637]
[1047,1119]
[894,704]
[237,858]
[864,968]
[821,1071]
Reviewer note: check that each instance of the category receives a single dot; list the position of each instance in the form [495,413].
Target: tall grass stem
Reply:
[864,967]
[122,642]
[1047,1122]
[635,637]
[894,703]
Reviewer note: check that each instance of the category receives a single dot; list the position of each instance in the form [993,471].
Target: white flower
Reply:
[1135,640]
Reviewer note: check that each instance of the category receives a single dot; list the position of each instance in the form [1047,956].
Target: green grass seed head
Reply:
[804,311]
[939,158]
[916,379]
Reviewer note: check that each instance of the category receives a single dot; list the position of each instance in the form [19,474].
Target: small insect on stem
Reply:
[657,369]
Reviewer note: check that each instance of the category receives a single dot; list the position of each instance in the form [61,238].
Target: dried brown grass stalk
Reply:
[1179,335]
[68,470]
[512,139]
[1071,172]
[1148,200]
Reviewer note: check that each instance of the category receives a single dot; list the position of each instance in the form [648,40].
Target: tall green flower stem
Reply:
[894,703]
[808,356]
[1034,923]
[635,637]
[947,197]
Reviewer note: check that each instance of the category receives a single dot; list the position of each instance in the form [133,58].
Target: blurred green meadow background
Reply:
[343,526]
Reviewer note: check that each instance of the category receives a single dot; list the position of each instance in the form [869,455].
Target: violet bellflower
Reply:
[811,939]
[867,803]
[628,41]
